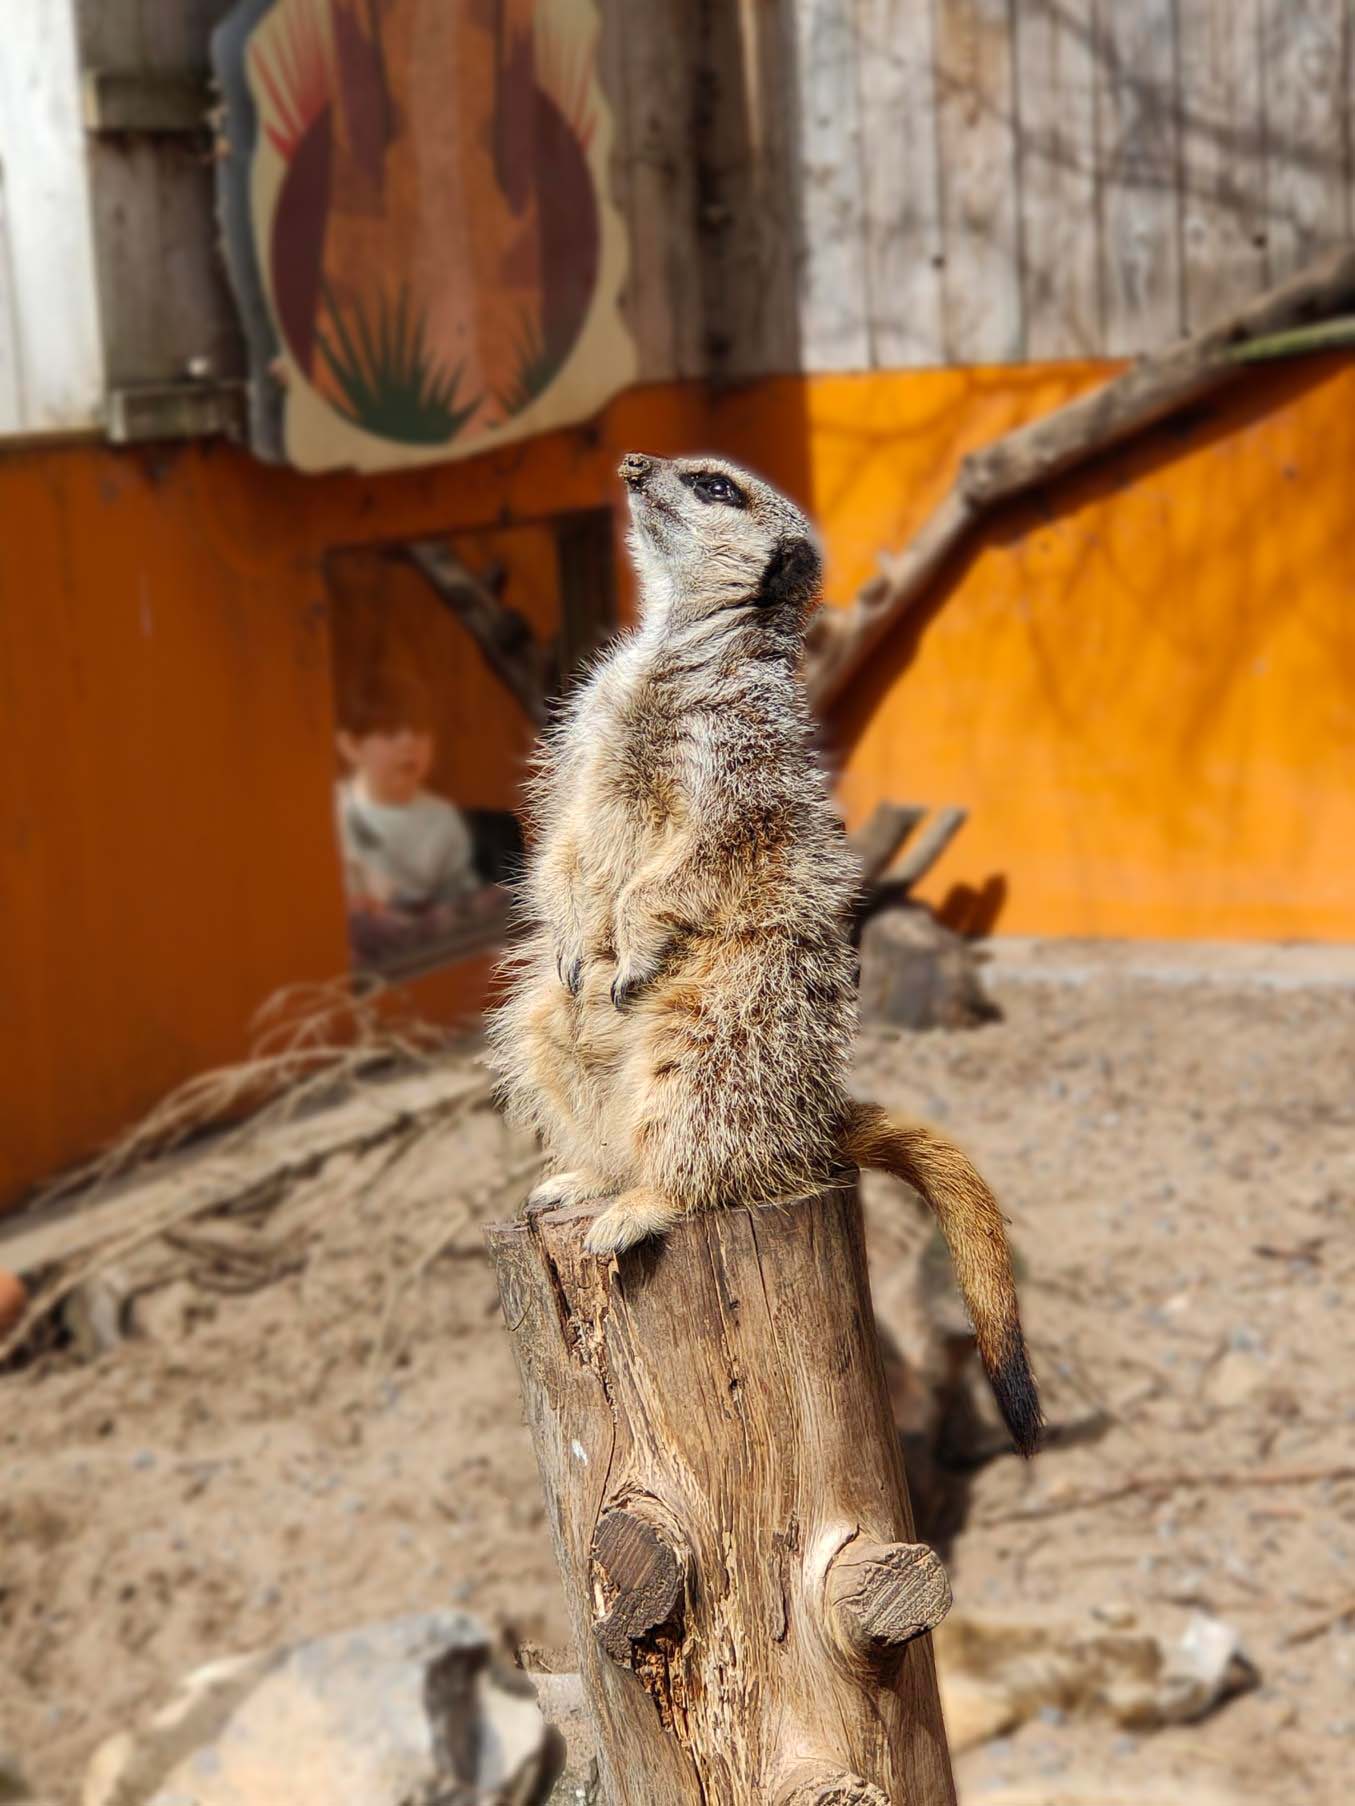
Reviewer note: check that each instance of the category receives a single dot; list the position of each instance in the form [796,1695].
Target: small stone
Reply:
[1115,1614]
[96,1314]
[1236,1377]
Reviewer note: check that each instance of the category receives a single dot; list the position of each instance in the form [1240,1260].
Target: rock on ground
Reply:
[386,1715]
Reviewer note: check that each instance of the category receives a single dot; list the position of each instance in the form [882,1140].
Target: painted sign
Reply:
[437,257]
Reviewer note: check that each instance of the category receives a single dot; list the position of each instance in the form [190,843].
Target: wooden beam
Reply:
[503,635]
[877,841]
[728,1508]
[923,854]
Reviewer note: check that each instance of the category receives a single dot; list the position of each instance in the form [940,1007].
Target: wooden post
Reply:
[729,1509]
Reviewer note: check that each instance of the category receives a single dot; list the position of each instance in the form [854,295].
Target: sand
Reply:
[340,1438]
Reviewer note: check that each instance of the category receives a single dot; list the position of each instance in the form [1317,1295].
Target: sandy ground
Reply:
[340,1438]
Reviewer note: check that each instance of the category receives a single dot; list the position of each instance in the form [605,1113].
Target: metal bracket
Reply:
[130,101]
[189,410]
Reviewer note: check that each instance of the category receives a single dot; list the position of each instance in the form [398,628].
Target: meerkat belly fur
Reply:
[680,1008]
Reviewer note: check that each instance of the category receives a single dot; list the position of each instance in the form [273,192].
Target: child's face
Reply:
[392,766]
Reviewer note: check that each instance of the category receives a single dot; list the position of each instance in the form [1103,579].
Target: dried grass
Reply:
[231,1203]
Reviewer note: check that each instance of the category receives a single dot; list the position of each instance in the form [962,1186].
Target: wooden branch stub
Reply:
[880,1596]
[640,1577]
[815,1784]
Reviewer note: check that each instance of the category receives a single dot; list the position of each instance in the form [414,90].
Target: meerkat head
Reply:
[708,538]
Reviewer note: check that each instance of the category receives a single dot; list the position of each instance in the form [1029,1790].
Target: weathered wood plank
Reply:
[146,34]
[900,182]
[612,78]
[655,116]
[1139,154]
[164,303]
[165,307]
[831,241]
[1222,156]
[55,377]
[11,366]
[976,123]
[747,151]
[1305,70]
[1056,117]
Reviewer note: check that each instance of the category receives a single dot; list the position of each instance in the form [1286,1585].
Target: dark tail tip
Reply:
[1018,1397]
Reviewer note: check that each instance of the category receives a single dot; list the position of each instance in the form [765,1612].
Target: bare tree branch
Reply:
[1154,387]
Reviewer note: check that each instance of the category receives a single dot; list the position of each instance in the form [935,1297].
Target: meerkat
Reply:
[680,1006]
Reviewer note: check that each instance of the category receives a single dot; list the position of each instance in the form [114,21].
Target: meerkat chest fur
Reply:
[700,777]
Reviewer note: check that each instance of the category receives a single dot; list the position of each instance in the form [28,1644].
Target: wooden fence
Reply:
[853,184]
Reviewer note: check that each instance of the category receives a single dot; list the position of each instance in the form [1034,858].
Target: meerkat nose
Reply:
[635,467]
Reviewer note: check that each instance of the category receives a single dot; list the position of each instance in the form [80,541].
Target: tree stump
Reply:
[917,973]
[729,1509]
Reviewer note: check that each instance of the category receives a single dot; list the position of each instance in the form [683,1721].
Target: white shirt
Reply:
[413,853]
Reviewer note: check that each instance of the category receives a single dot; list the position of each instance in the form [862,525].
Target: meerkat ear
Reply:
[792,574]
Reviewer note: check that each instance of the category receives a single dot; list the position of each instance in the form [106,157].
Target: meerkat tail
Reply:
[971,1223]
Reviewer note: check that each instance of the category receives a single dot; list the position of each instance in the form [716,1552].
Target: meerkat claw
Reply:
[628,983]
[571,974]
[559,1191]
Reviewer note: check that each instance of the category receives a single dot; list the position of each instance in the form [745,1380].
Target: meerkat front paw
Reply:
[633,1217]
[560,1191]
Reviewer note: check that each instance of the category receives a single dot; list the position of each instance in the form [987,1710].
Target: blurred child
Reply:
[408,857]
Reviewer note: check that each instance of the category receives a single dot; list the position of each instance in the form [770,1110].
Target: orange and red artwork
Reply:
[429,210]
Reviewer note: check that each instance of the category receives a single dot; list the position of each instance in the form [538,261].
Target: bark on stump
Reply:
[729,1509]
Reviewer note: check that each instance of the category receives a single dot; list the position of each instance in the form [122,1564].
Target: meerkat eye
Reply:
[710,486]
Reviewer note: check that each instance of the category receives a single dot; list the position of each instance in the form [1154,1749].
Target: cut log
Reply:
[917,973]
[729,1509]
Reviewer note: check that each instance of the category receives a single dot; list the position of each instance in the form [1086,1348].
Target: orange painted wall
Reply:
[1143,687]
[1142,683]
